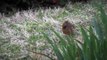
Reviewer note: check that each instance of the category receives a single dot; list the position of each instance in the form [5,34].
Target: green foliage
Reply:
[94,46]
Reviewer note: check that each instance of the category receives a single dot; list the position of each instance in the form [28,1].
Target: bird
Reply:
[67,28]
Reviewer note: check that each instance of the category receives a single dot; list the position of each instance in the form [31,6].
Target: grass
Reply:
[21,35]
[94,46]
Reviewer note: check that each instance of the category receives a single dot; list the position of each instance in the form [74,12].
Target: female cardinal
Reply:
[68,28]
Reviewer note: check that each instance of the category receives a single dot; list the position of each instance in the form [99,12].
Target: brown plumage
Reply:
[68,28]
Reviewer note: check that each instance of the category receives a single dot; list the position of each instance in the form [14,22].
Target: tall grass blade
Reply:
[55,48]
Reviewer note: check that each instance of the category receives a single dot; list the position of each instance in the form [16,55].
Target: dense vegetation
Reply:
[37,35]
[94,45]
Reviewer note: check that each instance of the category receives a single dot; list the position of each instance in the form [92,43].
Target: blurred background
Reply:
[7,6]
